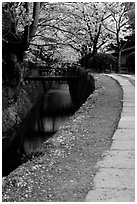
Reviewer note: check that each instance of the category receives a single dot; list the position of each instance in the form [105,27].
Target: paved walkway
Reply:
[115,180]
[129,76]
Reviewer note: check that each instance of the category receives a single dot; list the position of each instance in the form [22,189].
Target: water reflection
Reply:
[51,113]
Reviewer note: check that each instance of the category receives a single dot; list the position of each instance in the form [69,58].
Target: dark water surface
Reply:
[52,111]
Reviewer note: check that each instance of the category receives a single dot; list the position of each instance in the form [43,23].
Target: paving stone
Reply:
[128,113]
[129,91]
[129,109]
[115,178]
[118,159]
[129,99]
[127,121]
[126,134]
[126,83]
[127,105]
[129,76]
[126,124]
[111,195]
[123,145]
[115,181]
[128,118]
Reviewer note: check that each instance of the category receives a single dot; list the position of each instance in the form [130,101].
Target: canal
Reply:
[44,120]
[51,112]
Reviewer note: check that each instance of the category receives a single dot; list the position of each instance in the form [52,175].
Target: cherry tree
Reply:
[19,21]
[118,25]
[74,25]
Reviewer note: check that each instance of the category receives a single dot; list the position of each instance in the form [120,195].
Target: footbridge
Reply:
[47,74]
[80,81]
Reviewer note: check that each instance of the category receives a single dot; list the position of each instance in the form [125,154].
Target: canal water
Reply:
[51,112]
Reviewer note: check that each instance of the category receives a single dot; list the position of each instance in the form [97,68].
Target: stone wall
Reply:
[82,88]
[13,115]
[30,93]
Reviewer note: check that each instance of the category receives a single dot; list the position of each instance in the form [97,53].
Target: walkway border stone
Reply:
[115,180]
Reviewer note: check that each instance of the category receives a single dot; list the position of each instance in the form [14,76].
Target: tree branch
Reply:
[104,42]
[112,31]
[61,29]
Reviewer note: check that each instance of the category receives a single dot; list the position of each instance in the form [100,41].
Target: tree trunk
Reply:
[95,42]
[18,46]
[118,68]
[34,25]
[94,51]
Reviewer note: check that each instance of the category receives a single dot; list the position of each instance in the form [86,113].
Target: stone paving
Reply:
[129,76]
[115,180]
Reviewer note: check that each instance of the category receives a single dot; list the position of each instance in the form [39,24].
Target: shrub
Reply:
[102,62]
[130,62]
[84,60]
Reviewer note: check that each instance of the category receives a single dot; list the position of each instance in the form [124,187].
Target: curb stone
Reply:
[115,181]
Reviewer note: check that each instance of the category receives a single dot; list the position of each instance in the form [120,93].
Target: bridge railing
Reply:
[57,71]
[48,74]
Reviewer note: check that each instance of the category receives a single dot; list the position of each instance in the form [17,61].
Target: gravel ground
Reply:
[66,167]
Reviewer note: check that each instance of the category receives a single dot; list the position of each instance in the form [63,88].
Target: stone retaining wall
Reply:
[81,89]
[29,94]
[13,115]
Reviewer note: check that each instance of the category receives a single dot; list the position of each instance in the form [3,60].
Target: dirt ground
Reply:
[66,165]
